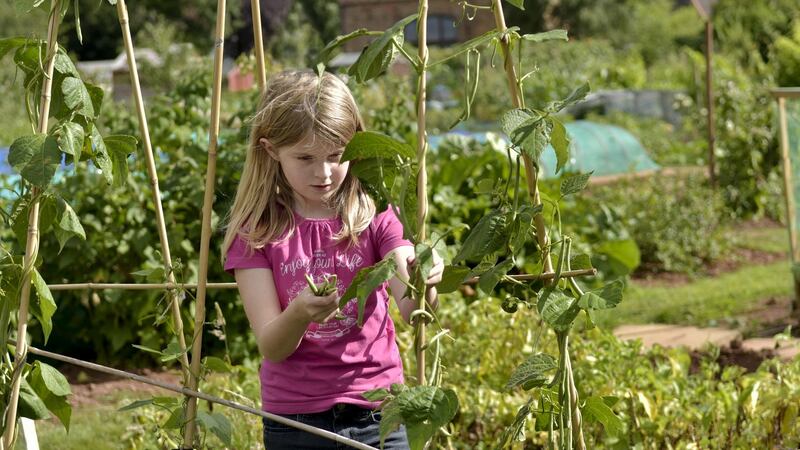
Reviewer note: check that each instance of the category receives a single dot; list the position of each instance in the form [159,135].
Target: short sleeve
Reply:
[388,232]
[239,257]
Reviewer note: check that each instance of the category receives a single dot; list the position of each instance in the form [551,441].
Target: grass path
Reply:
[705,302]
[710,301]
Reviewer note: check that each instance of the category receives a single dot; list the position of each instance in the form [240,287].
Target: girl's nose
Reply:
[323,170]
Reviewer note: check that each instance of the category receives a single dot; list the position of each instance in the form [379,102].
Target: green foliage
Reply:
[675,222]
[787,57]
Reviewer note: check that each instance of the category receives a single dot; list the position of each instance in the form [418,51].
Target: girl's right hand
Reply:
[316,309]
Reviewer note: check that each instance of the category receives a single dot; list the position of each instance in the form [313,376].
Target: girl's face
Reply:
[313,171]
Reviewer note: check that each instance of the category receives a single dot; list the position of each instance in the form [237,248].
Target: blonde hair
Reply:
[296,105]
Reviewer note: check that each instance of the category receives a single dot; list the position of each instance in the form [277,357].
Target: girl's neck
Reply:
[308,211]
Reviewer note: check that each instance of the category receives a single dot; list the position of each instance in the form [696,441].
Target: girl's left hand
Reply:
[435,275]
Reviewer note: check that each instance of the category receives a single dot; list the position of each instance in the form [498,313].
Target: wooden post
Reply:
[205,233]
[422,178]
[710,103]
[32,242]
[791,211]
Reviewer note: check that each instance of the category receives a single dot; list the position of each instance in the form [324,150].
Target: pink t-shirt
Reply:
[336,361]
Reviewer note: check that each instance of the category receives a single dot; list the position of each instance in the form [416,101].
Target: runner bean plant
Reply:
[395,174]
[54,90]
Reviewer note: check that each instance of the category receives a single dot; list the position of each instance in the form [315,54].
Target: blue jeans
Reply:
[351,421]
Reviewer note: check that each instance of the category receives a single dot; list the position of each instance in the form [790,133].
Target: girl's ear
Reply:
[269,148]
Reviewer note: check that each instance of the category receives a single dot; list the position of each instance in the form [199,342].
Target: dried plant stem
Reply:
[205,233]
[32,242]
[531,173]
[422,179]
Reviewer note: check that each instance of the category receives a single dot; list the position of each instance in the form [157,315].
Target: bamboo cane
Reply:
[531,173]
[422,179]
[175,300]
[258,44]
[188,392]
[205,233]
[162,286]
[32,241]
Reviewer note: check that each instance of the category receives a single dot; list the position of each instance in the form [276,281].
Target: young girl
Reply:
[299,211]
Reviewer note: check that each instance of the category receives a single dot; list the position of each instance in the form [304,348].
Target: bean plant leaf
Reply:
[424,409]
[516,431]
[63,64]
[391,419]
[607,297]
[486,237]
[518,3]
[376,395]
[30,405]
[218,365]
[35,157]
[334,46]
[558,309]
[560,142]
[552,35]
[365,282]
[119,147]
[11,43]
[55,382]
[377,56]
[475,42]
[216,423]
[580,261]
[52,388]
[452,278]
[574,97]
[424,259]
[575,183]
[101,157]
[596,409]
[44,308]
[533,372]
[528,130]
[76,97]
[66,224]
[71,139]
[370,144]
[489,280]
[136,404]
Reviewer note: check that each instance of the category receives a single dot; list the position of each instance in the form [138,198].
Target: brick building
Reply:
[382,14]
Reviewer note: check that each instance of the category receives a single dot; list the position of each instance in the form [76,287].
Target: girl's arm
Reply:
[278,333]
[402,255]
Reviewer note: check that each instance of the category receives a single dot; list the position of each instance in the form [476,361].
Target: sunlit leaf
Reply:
[575,183]
[596,409]
[560,142]
[365,282]
[35,157]
[533,372]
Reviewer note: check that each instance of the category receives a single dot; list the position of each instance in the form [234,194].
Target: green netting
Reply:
[604,149]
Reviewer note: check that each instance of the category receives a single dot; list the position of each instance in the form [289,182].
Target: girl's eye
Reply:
[335,157]
[305,158]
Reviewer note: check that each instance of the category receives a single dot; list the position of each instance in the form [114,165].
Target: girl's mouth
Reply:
[321,187]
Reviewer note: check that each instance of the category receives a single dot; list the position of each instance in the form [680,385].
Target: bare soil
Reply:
[90,387]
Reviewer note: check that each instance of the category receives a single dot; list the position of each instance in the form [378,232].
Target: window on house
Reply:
[441,30]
